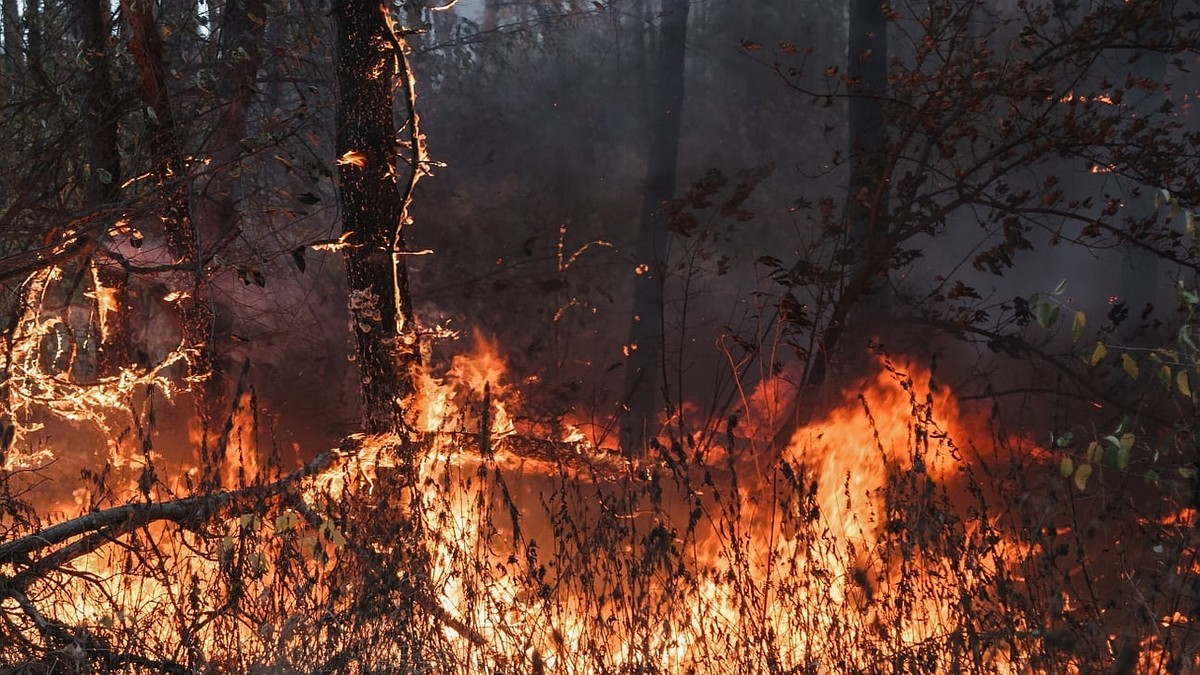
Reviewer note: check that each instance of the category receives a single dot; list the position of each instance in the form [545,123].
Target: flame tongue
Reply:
[474,389]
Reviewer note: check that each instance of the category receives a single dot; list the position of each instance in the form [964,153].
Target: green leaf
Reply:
[1185,336]
[331,534]
[1123,454]
[151,114]
[1078,325]
[1126,441]
[104,175]
[1081,476]
[1095,452]
[1164,376]
[1066,467]
[1058,290]
[1187,472]
[1047,314]
[1064,440]
[287,521]
[1181,381]
[1098,354]
[1130,366]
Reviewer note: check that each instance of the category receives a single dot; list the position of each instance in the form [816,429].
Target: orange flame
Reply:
[835,552]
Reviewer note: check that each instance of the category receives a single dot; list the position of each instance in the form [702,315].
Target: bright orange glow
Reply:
[840,547]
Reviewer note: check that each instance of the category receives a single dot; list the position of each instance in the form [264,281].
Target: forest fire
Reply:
[583,561]
[868,538]
[239,432]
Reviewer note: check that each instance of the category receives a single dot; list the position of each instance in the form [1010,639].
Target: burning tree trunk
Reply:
[374,210]
[371,57]
[644,369]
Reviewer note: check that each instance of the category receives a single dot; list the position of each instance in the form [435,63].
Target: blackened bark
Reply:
[33,40]
[644,369]
[372,205]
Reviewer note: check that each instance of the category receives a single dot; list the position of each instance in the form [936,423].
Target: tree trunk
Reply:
[33,40]
[1141,279]
[491,15]
[98,109]
[13,47]
[216,211]
[867,237]
[372,213]
[183,243]
[99,117]
[644,369]
[370,59]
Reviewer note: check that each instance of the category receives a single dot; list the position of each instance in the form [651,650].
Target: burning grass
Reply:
[893,534]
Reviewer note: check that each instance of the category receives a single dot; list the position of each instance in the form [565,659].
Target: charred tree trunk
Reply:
[374,203]
[373,211]
[33,40]
[644,370]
